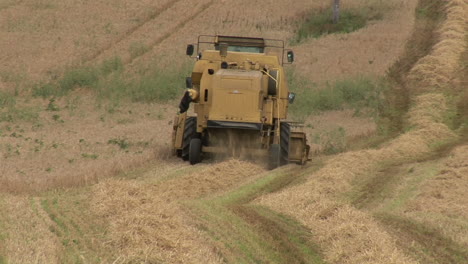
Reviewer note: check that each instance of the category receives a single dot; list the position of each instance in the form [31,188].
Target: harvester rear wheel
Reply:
[285,135]
[190,132]
[274,159]
[279,153]
[195,151]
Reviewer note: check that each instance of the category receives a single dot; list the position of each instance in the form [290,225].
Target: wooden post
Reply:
[336,11]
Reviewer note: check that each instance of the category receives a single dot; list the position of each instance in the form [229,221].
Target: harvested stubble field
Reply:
[87,175]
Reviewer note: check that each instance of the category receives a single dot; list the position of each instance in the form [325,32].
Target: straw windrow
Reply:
[347,234]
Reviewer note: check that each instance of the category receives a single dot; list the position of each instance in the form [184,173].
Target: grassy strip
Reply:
[317,23]
[13,114]
[380,186]
[424,37]
[461,121]
[366,96]
[359,93]
[429,14]
[254,234]
[9,112]
[283,233]
[424,242]
[6,99]
[79,236]
[110,81]
[386,196]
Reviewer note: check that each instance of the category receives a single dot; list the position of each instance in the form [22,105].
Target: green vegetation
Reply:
[109,81]
[45,90]
[360,93]
[9,112]
[430,11]
[158,85]
[317,23]
[57,118]
[111,65]
[79,77]
[391,187]
[121,142]
[334,141]
[366,96]
[89,156]
[137,49]
[13,114]
[6,99]
[76,228]
[426,243]
[52,106]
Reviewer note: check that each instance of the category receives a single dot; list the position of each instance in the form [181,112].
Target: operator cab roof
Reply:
[241,44]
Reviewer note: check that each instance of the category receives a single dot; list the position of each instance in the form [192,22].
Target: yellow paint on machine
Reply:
[238,96]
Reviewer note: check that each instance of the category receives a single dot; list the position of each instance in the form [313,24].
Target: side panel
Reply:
[178,132]
[298,150]
[297,147]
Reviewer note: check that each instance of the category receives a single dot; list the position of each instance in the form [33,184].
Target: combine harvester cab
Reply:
[240,96]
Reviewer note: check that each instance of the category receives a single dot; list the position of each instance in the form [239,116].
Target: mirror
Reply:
[290,56]
[291,97]
[188,82]
[190,49]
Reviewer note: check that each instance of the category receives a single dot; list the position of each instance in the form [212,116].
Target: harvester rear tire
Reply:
[195,151]
[274,158]
[285,136]
[279,153]
[190,132]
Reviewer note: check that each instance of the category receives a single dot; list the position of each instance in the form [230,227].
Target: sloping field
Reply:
[90,179]
[76,139]
[322,205]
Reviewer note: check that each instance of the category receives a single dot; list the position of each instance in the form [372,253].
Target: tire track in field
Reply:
[137,43]
[148,215]
[127,34]
[247,233]
[371,193]
[429,242]
[355,236]
[167,217]
[179,26]
[30,235]
[424,242]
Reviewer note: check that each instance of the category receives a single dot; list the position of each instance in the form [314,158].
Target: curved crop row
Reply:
[347,234]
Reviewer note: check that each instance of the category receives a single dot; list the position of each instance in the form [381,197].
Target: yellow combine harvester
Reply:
[240,95]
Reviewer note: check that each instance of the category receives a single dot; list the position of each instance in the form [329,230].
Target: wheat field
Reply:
[85,179]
